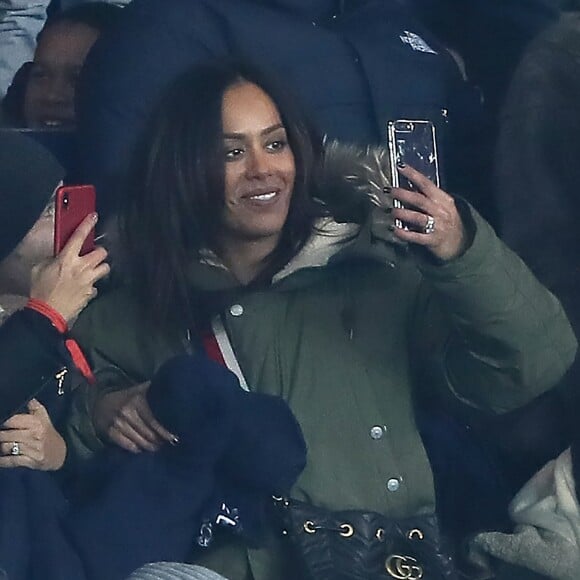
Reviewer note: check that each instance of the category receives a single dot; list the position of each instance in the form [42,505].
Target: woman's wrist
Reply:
[49,312]
[57,452]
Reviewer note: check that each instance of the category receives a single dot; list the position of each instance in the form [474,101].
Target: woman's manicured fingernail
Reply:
[95,216]
[401,164]
[174,440]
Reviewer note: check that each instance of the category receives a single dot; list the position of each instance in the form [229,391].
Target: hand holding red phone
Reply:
[73,203]
[67,281]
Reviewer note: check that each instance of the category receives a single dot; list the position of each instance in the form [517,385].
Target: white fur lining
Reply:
[548,501]
[546,538]
[316,253]
[320,247]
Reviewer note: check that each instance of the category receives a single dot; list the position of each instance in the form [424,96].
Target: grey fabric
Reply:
[174,571]
[547,517]
[20,23]
[66,4]
[509,572]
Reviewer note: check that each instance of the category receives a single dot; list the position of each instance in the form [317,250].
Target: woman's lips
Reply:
[55,122]
[262,196]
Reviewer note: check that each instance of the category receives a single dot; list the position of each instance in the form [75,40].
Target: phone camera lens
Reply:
[65,200]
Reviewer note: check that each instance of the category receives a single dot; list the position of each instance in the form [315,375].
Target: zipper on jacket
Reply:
[60,376]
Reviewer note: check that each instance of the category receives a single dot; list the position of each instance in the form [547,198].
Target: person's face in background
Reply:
[259,166]
[36,247]
[50,93]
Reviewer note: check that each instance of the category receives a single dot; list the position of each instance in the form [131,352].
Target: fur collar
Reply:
[350,183]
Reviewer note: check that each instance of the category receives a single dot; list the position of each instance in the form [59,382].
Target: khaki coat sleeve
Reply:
[82,439]
[502,337]
[122,352]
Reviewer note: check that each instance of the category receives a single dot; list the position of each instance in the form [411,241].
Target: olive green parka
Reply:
[346,333]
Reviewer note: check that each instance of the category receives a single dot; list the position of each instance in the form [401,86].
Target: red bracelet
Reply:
[61,325]
[55,317]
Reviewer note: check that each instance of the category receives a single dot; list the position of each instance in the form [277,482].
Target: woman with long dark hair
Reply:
[176,188]
[243,238]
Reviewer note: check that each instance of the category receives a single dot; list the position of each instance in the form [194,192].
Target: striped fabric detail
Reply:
[227,351]
[174,571]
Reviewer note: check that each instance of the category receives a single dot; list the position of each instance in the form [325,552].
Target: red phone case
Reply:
[72,205]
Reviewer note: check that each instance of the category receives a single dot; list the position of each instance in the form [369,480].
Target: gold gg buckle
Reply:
[403,567]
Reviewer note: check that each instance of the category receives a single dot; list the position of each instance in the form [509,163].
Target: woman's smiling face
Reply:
[259,166]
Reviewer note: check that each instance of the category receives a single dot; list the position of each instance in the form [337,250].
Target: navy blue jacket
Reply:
[354,66]
[236,450]
[490,35]
[32,351]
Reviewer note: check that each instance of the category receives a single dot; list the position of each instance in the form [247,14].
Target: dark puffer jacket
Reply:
[354,65]
[32,354]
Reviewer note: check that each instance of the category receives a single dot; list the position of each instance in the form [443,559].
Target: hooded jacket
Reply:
[349,333]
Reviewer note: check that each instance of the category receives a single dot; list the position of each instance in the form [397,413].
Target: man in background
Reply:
[42,93]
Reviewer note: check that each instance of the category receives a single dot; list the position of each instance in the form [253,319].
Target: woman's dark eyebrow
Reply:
[266,131]
[272,129]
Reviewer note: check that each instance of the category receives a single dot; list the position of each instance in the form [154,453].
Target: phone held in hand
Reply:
[412,142]
[72,205]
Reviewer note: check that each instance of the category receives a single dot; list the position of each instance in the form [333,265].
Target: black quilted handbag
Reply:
[357,545]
